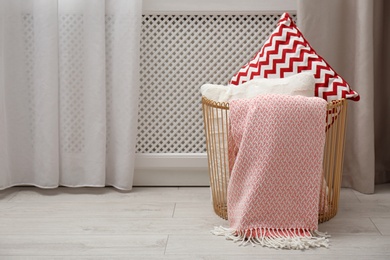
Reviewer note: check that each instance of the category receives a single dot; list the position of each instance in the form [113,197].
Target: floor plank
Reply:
[381,195]
[367,210]
[348,196]
[340,245]
[191,210]
[383,225]
[349,226]
[8,194]
[86,209]
[108,226]
[76,245]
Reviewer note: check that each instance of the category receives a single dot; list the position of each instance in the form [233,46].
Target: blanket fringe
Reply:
[275,238]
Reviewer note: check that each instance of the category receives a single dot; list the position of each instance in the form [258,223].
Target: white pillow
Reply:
[299,84]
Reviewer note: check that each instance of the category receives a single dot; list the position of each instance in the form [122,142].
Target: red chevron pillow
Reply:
[287,52]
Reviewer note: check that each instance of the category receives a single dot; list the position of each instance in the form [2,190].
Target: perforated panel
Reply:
[179,53]
[109,29]
[28,33]
[71,46]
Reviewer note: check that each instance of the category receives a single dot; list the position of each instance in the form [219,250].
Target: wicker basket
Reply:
[216,124]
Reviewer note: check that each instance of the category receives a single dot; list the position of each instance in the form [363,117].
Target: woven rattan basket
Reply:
[216,124]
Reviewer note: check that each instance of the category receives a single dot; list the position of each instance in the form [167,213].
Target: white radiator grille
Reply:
[179,53]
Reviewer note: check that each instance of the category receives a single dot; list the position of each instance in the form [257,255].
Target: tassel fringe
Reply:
[275,238]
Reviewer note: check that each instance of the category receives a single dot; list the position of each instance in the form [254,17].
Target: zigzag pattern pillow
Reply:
[287,52]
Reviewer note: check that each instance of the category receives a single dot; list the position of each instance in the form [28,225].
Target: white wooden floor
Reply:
[166,223]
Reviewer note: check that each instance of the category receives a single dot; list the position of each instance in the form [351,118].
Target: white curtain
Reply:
[354,37]
[69,82]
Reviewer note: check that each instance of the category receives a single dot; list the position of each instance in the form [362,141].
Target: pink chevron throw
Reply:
[276,145]
[287,52]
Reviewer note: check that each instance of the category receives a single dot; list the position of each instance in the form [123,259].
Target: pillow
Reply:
[287,52]
[298,84]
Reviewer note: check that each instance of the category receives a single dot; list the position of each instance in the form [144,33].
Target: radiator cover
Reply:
[179,53]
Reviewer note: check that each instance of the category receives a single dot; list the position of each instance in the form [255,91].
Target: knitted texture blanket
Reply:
[276,145]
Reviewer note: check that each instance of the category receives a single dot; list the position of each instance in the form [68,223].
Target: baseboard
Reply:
[179,169]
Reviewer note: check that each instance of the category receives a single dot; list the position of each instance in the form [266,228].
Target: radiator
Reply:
[179,53]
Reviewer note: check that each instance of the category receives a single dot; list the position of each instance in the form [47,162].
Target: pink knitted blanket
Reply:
[276,147]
